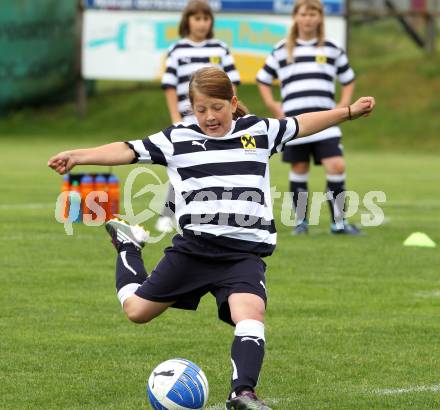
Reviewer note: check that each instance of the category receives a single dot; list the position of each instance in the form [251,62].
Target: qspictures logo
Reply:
[150,200]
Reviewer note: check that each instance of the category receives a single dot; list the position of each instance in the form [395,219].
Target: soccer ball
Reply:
[177,384]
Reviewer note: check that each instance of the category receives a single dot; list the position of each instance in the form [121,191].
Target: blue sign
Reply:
[277,6]
[251,5]
[240,33]
[332,7]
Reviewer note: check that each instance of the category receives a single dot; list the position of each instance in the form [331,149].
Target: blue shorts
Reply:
[319,150]
[190,269]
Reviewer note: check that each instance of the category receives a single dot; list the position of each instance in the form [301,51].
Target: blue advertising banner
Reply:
[242,34]
[277,6]
[332,7]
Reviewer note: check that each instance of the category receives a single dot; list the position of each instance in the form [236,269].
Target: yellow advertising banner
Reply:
[133,45]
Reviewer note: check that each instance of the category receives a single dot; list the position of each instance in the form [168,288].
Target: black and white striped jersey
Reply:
[308,84]
[222,184]
[185,57]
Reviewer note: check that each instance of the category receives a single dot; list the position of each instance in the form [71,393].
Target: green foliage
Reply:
[37,48]
[406,83]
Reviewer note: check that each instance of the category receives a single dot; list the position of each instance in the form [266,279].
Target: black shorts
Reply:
[319,150]
[190,269]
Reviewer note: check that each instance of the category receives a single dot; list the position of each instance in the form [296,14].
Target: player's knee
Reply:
[249,311]
[135,314]
[300,167]
[136,317]
[335,166]
[339,168]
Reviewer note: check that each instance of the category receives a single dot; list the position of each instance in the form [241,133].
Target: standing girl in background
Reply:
[196,49]
[224,209]
[307,66]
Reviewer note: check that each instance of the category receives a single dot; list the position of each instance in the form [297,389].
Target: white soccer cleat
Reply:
[121,232]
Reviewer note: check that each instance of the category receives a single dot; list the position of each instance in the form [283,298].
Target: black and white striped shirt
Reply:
[185,57]
[308,84]
[222,184]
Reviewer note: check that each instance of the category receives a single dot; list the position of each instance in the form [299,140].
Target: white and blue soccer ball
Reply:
[177,384]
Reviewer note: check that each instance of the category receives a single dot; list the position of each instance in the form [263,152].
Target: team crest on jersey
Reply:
[249,143]
[321,59]
[214,60]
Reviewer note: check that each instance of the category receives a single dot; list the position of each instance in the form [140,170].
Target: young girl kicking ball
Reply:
[220,171]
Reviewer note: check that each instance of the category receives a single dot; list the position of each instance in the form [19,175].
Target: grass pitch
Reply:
[350,321]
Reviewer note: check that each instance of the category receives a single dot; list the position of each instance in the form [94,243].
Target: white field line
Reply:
[381,392]
[14,207]
[416,389]
[428,294]
[424,203]
[218,406]
[50,235]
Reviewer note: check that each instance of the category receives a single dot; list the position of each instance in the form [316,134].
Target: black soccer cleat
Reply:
[301,229]
[245,400]
[346,229]
[122,233]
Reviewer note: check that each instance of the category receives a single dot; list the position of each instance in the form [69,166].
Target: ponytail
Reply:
[291,42]
[241,111]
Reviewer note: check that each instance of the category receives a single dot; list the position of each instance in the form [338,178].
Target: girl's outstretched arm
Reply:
[116,153]
[314,122]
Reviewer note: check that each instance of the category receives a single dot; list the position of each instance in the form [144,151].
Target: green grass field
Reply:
[352,323]
[348,318]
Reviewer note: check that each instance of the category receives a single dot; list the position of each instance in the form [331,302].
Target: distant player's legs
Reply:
[298,178]
[130,271]
[247,352]
[335,170]
[298,156]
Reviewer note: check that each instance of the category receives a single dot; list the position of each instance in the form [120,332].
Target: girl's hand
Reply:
[62,162]
[361,107]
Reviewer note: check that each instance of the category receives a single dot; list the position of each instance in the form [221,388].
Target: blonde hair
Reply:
[215,83]
[195,7]
[293,32]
